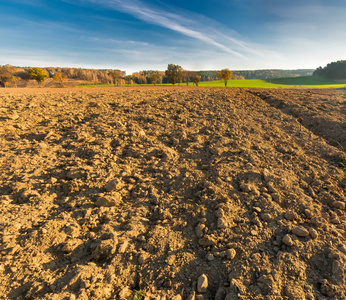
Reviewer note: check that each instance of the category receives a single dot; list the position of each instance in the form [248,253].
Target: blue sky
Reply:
[136,35]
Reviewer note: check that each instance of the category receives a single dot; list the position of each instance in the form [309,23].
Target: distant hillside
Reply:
[335,70]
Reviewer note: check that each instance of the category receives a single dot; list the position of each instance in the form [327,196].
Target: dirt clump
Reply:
[172,193]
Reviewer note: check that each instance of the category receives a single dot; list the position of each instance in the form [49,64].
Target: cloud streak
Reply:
[170,21]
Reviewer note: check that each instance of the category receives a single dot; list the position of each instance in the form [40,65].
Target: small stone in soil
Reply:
[221,223]
[114,185]
[300,231]
[207,241]
[75,174]
[276,197]
[308,213]
[141,259]
[202,284]
[231,253]
[313,233]
[266,217]
[339,205]
[335,220]
[210,257]
[287,240]
[199,230]
[109,201]
[290,215]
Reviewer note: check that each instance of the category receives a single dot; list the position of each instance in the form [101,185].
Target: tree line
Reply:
[257,74]
[211,75]
[20,76]
[176,74]
[334,70]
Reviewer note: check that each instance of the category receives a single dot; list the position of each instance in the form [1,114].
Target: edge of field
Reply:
[289,82]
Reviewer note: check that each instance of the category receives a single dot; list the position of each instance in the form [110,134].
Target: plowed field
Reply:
[172,193]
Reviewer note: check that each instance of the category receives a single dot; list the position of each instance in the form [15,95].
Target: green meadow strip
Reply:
[303,81]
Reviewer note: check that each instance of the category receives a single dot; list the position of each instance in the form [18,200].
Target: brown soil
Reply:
[175,193]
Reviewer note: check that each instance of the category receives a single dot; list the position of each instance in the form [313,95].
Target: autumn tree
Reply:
[116,75]
[59,77]
[196,80]
[139,78]
[128,79]
[155,78]
[187,75]
[5,76]
[38,74]
[174,73]
[225,75]
[14,79]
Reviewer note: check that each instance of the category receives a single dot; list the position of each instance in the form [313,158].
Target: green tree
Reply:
[318,72]
[335,70]
[174,73]
[38,74]
[225,75]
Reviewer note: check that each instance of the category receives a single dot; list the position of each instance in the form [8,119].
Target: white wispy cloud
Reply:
[111,41]
[178,23]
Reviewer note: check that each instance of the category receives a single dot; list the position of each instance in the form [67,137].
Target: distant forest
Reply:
[335,70]
[19,76]
[257,74]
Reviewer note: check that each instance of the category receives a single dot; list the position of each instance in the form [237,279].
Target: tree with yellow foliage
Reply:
[38,74]
[155,78]
[225,75]
[59,77]
[117,76]
[5,76]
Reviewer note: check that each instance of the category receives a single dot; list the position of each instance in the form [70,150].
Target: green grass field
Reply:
[303,81]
